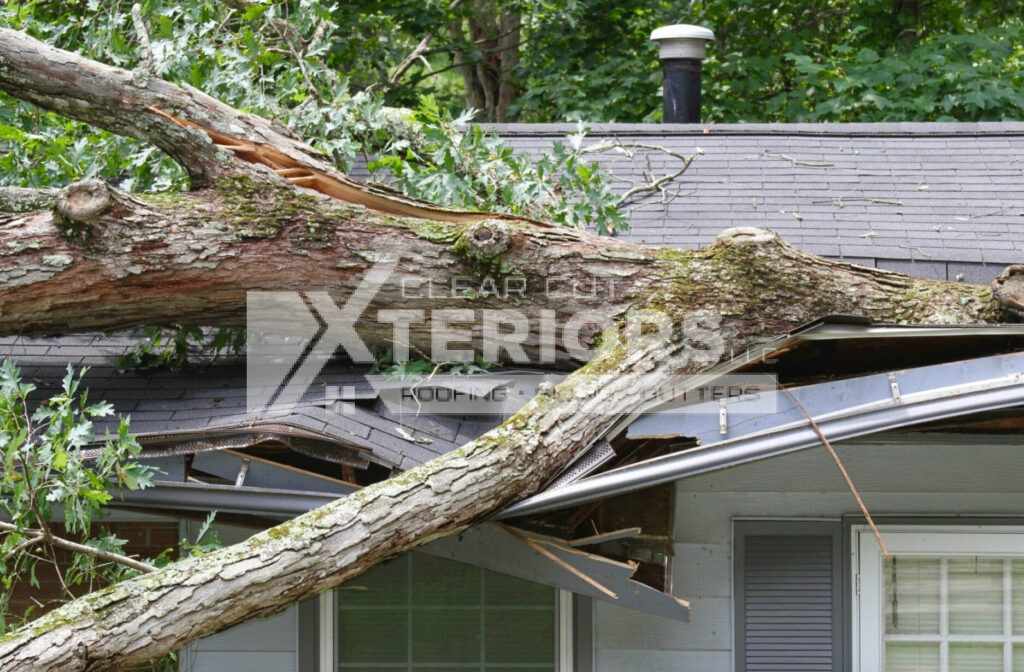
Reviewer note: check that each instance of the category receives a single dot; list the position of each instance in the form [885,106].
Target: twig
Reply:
[299,60]
[653,183]
[557,560]
[839,200]
[842,470]
[914,247]
[59,542]
[798,162]
[144,71]
[417,52]
[31,541]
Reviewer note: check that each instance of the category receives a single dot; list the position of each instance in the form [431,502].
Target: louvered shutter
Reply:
[788,607]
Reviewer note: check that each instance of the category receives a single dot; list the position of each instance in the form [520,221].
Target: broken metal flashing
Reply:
[843,409]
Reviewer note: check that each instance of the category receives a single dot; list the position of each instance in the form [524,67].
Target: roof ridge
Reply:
[854,129]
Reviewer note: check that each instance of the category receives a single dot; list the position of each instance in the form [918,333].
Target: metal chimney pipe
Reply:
[682,50]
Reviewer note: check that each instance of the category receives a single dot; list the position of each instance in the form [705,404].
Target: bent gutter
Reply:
[967,396]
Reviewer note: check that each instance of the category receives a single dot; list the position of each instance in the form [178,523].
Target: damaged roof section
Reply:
[604,526]
[707,435]
[195,425]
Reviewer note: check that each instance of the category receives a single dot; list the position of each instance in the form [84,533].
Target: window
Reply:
[944,601]
[418,612]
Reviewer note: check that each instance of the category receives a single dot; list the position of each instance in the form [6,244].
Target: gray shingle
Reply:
[874,180]
[931,270]
[977,274]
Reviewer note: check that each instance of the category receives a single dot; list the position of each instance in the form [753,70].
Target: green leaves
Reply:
[469,168]
[46,473]
[294,62]
[972,76]
[206,539]
[862,61]
[171,348]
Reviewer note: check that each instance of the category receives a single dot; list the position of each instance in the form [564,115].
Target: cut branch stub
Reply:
[83,201]
[746,235]
[1008,289]
[485,241]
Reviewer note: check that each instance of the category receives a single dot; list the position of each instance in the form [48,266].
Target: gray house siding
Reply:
[950,476]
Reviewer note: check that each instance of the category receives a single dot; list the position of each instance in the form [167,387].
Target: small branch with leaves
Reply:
[45,536]
[46,477]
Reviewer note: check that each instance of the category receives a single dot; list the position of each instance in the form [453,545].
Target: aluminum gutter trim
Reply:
[226,498]
[910,409]
[826,331]
[822,331]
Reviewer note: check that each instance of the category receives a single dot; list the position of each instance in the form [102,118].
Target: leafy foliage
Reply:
[46,474]
[54,468]
[592,60]
[284,61]
[175,347]
[206,542]
[973,76]
[861,60]
[422,368]
[473,166]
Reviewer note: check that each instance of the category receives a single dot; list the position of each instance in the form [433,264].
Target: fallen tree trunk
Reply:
[102,259]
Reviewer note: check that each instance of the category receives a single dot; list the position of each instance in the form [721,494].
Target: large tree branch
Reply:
[211,140]
[148,615]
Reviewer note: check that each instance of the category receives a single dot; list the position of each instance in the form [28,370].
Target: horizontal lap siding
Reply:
[788,603]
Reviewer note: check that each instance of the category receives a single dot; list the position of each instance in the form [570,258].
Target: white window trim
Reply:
[866,579]
[327,637]
[564,640]
[564,636]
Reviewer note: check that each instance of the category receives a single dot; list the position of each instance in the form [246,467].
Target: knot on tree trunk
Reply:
[1008,289]
[83,201]
[746,235]
[484,241]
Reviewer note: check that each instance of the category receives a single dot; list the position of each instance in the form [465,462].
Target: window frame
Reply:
[867,620]
[567,630]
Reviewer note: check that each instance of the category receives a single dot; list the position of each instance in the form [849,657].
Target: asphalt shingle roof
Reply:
[936,200]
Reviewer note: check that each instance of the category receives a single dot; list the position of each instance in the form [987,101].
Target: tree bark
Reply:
[488,61]
[103,259]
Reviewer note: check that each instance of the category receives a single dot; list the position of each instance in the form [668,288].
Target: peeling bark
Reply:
[104,259]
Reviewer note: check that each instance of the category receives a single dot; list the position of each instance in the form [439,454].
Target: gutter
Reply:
[901,409]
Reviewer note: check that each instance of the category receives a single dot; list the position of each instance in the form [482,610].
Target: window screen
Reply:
[417,612]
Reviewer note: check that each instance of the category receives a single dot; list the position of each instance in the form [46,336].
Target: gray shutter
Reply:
[789,604]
